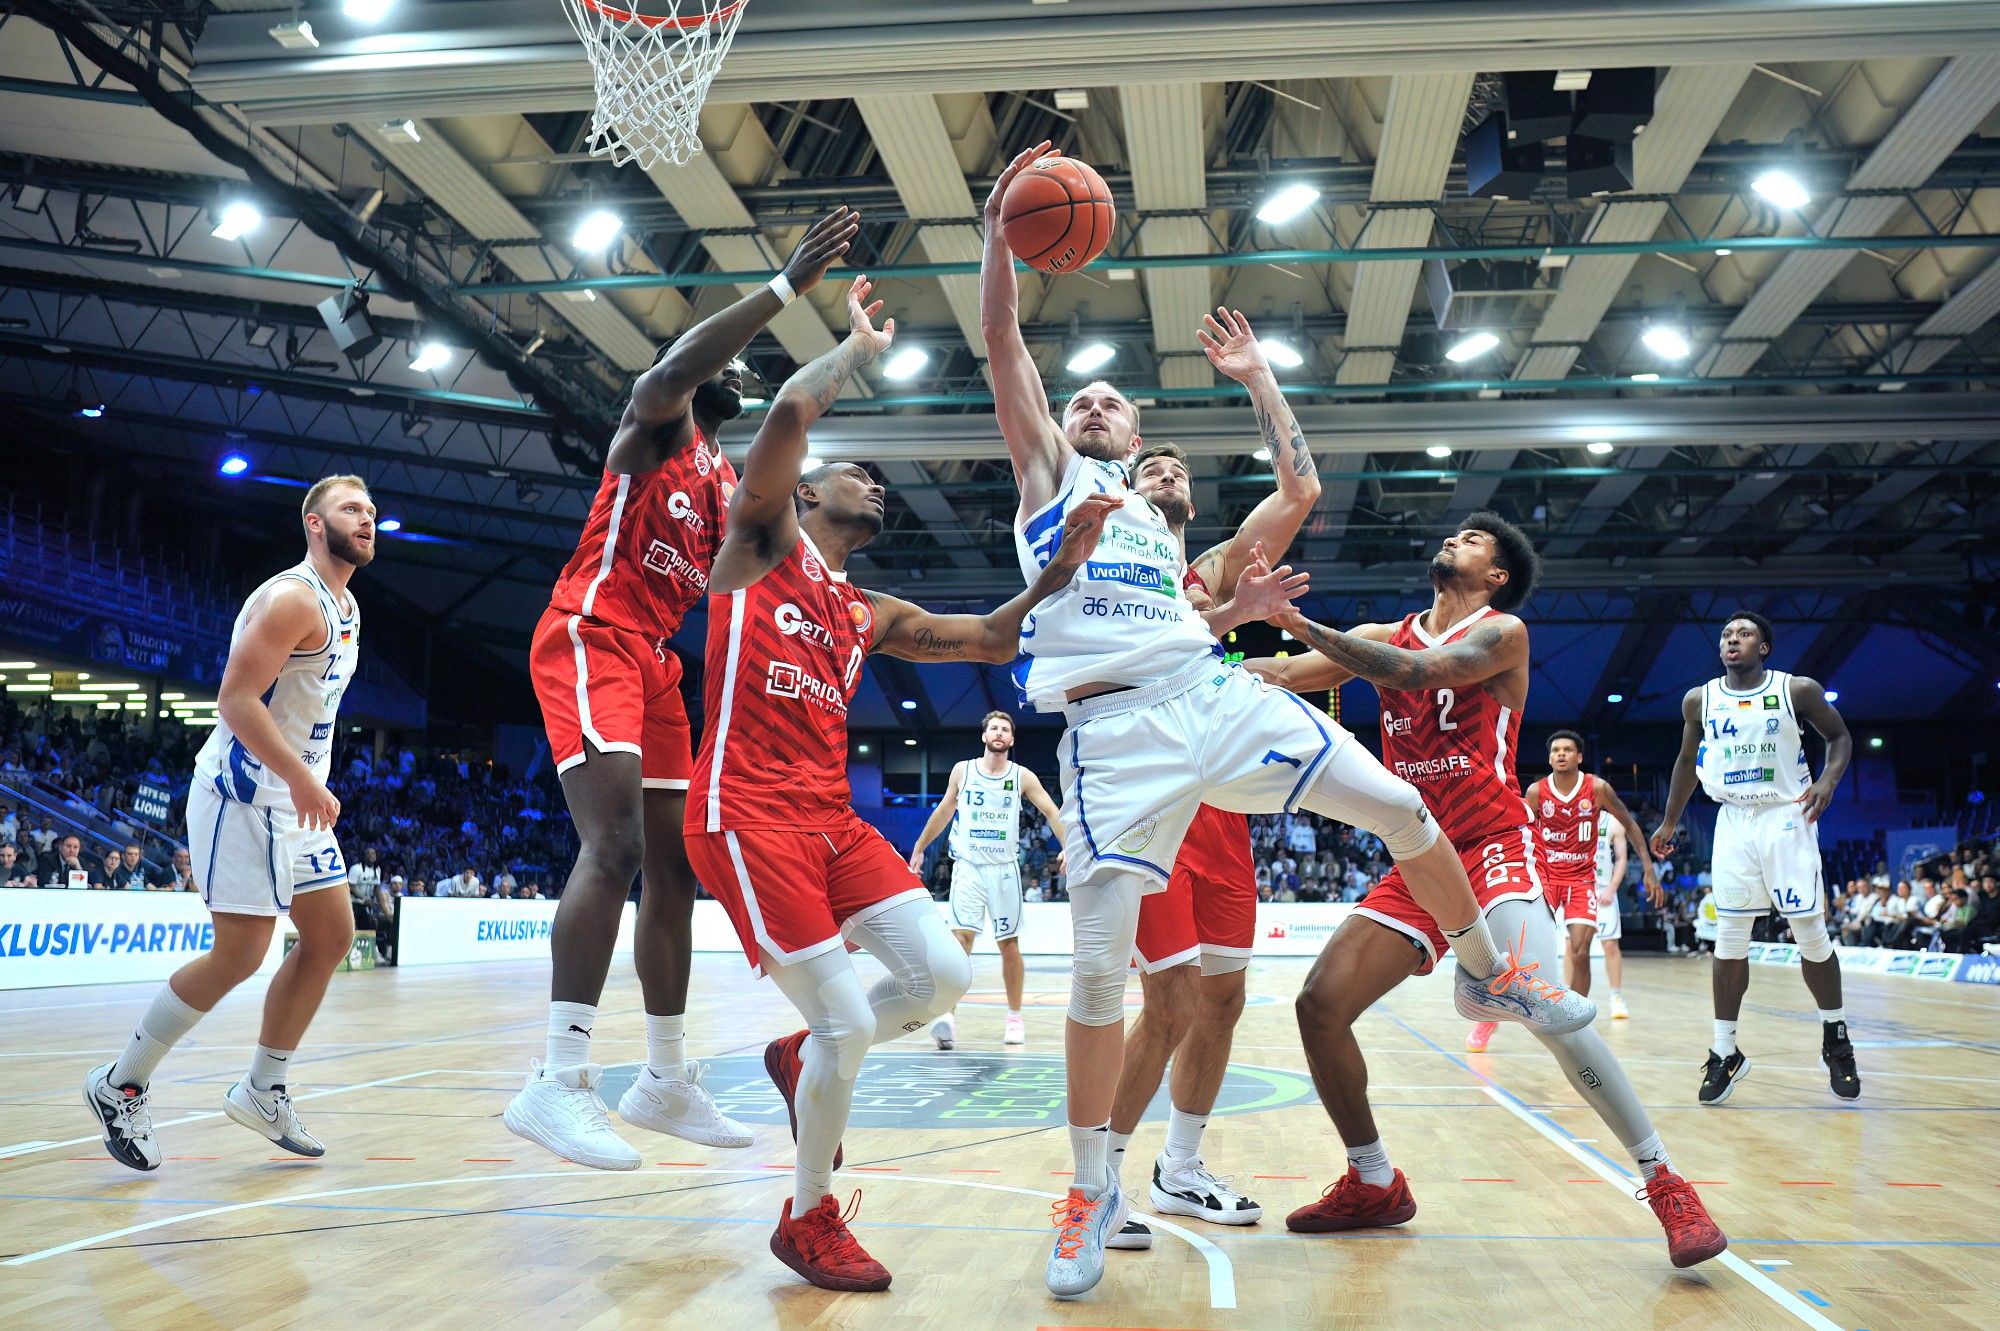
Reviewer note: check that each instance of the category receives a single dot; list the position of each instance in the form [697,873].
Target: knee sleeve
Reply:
[1222,963]
[1104,915]
[928,970]
[840,1024]
[1353,788]
[1732,936]
[1809,932]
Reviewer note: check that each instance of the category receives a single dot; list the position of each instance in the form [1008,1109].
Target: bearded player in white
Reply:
[982,802]
[1159,724]
[260,833]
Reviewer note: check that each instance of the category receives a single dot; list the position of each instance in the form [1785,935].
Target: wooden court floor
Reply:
[426,1212]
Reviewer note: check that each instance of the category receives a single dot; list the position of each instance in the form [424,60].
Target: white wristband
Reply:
[782,289]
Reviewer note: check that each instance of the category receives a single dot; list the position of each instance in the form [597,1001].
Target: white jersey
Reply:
[1750,751]
[304,701]
[987,827]
[1608,834]
[1125,619]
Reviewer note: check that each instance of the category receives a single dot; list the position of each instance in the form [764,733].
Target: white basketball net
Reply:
[653,71]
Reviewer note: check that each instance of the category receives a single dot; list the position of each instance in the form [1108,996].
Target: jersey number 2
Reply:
[1446,701]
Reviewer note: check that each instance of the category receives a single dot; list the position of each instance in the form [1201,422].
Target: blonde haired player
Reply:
[982,803]
[260,832]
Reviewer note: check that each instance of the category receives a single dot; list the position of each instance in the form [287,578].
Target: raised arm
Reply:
[662,396]
[1231,346]
[1499,643]
[1809,701]
[1682,785]
[940,818]
[1020,404]
[1261,592]
[763,521]
[1037,794]
[286,619]
[1309,671]
[916,634]
[1628,826]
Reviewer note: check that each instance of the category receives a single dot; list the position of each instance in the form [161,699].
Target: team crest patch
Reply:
[1584,806]
[702,463]
[862,615]
[1140,836]
[1770,702]
[1548,808]
[728,492]
[814,569]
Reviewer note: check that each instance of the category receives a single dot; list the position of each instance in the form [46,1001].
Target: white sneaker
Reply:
[1084,1220]
[1517,994]
[559,1110]
[126,1116]
[1618,1012]
[1185,1187]
[945,1031]
[1017,1030]
[680,1108]
[271,1113]
[1126,1233]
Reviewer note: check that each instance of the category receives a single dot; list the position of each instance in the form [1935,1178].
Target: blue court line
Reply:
[1814,1299]
[1403,1236]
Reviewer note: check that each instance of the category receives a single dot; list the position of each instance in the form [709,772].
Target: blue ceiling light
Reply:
[389,524]
[1614,697]
[233,465]
[909,704]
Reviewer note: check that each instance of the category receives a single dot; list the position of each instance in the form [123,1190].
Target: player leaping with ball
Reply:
[1159,724]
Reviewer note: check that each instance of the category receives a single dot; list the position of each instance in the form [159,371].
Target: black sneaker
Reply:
[1837,1052]
[1719,1076]
[124,1115]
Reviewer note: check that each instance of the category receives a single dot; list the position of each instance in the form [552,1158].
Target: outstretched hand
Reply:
[1231,345]
[826,241]
[1014,168]
[1267,593]
[1084,525]
[861,319]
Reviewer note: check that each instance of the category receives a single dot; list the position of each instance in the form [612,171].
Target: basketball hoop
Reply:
[652,73]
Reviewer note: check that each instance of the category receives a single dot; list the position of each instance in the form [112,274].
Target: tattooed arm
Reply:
[915,634]
[763,520]
[1500,643]
[1231,346]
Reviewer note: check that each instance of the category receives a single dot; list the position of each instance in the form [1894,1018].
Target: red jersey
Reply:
[1456,746]
[1566,830]
[1217,849]
[784,658]
[649,542]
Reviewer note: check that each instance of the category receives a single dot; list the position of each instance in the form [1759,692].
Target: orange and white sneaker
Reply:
[1480,1036]
[1348,1203]
[1691,1236]
[1084,1220]
[1515,993]
[819,1247]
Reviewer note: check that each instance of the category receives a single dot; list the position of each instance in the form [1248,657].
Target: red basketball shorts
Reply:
[1574,900]
[613,690]
[790,894]
[1210,905]
[1501,867]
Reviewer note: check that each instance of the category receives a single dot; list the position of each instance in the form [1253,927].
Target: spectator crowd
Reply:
[1951,903]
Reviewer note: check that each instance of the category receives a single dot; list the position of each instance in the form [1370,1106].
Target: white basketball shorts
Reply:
[986,892]
[1766,858]
[251,859]
[1138,763]
[1610,922]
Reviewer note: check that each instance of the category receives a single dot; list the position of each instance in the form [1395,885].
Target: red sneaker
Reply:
[1348,1203]
[783,1063]
[819,1247]
[1691,1236]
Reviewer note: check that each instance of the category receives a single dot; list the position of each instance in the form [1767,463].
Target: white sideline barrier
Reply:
[51,937]
[438,930]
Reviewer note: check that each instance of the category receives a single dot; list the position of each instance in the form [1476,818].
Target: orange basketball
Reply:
[1057,215]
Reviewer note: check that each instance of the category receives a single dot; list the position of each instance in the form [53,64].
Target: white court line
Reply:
[30,1148]
[1221,1271]
[1758,1281]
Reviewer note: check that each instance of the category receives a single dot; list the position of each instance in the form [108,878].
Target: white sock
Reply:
[1371,1161]
[1649,1155]
[1475,948]
[165,1025]
[570,1025]
[665,1054]
[1617,993]
[1829,1015]
[1184,1134]
[270,1067]
[1725,1038]
[1089,1147]
[1014,1013]
[1115,1143]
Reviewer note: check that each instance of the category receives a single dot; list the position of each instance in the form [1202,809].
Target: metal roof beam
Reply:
[1166,144]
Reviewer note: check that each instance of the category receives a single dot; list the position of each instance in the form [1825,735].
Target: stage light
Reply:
[906,364]
[431,356]
[1471,347]
[909,704]
[1647,378]
[234,465]
[91,413]
[389,524]
[1092,356]
[1281,354]
[1600,449]
[1666,342]
[1782,189]
[597,230]
[1833,695]
[1284,204]
[1614,697]
[367,11]
[1438,451]
[237,219]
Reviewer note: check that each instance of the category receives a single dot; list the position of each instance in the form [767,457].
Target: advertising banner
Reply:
[63,938]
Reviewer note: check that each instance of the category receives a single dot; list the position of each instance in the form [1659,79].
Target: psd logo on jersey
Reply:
[792,622]
[681,507]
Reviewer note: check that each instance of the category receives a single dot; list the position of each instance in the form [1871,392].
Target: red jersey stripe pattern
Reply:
[1566,830]
[1456,746]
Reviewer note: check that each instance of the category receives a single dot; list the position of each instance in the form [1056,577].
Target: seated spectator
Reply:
[1890,919]
[66,866]
[44,836]
[1955,921]
[181,877]
[126,871]
[467,884]
[14,871]
[363,877]
[419,888]
[1985,925]
[10,826]
[1855,916]
[503,885]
